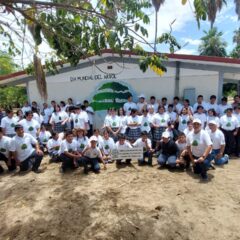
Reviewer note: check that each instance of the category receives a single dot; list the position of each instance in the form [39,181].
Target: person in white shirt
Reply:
[213,105]
[199,146]
[79,118]
[19,115]
[90,113]
[146,123]
[43,137]
[113,125]
[129,105]
[68,154]
[92,156]
[134,126]
[164,103]
[229,126]
[172,114]
[200,102]
[223,106]
[218,146]
[30,125]
[107,146]
[8,124]
[201,115]
[81,139]
[183,118]
[122,120]
[141,103]
[212,115]
[53,146]
[26,108]
[58,119]
[5,155]
[237,137]
[145,143]
[177,106]
[46,113]
[24,154]
[153,104]
[122,144]
[189,128]
[186,104]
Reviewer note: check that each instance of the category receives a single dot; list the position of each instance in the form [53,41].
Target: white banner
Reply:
[130,153]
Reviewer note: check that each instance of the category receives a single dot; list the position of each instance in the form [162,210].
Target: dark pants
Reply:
[147,155]
[33,161]
[94,162]
[90,131]
[67,162]
[230,142]
[10,168]
[237,147]
[201,168]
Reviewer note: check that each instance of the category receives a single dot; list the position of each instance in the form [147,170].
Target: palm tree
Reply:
[237,3]
[236,37]
[157,4]
[212,7]
[212,44]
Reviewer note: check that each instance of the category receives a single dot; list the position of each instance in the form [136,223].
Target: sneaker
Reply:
[227,158]
[37,171]
[204,177]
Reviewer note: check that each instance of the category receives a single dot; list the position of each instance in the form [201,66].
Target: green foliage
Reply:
[7,65]
[230,89]
[235,52]
[12,96]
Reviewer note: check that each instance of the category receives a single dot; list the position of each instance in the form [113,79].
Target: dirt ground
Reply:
[129,203]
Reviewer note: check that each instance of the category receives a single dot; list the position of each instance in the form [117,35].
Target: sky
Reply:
[184,29]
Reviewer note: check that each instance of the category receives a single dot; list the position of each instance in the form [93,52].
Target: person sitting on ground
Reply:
[199,146]
[43,137]
[81,139]
[68,154]
[218,146]
[53,146]
[121,145]
[183,160]
[106,147]
[145,143]
[24,154]
[169,151]
[92,155]
[5,144]
[8,124]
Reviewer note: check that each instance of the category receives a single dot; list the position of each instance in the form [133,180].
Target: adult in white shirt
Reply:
[212,104]
[229,125]
[58,119]
[68,153]
[141,104]
[30,125]
[8,124]
[153,104]
[200,102]
[5,144]
[24,154]
[218,146]
[199,146]
[129,105]
[79,118]
[223,106]
[145,143]
[90,113]
[26,108]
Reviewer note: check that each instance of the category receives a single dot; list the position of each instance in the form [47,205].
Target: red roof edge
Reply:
[130,53]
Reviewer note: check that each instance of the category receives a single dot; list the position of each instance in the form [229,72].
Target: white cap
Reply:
[166,135]
[93,138]
[212,122]
[141,96]
[196,120]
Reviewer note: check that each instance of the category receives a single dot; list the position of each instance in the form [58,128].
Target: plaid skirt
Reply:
[157,133]
[134,134]
[58,127]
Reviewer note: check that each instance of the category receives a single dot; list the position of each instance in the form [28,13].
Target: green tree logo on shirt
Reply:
[82,146]
[106,147]
[76,120]
[44,140]
[30,129]
[3,150]
[12,125]
[24,146]
[60,118]
[114,124]
[195,143]
[228,124]
[145,124]
[163,121]
[56,148]
[184,121]
[70,150]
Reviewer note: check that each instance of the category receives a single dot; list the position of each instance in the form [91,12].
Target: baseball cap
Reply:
[196,120]
[93,138]
[165,135]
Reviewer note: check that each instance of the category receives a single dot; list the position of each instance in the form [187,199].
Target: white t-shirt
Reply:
[145,123]
[181,146]
[128,106]
[203,104]
[8,124]
[38,118]
[139,143]
[140,106]
[229,123]
[125,145]
[210,118]
[44,136]
[5,144]
[26,109]
[161,120]
[47,112]
[183,119]
[187,131]
[202,117]
[80,120]
[113,122]
[58,117]
[178,107]
[90,113]
[68,147]
[93,153]
[198,142]
[23,146]
[135,119]
[154,106]
[53,145]
[123,123]
[81,143]
[223,108]
[107,145]
[172,115]
[217,138]
[213,106]
[30,127]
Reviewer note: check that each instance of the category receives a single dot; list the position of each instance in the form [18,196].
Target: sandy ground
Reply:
[130,202]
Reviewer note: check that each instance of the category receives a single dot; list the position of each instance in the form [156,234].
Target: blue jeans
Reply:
[202,167]
[94,162]
[170,159]
[33,161]
[224,159]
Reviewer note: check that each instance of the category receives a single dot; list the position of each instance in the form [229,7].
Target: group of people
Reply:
[178,134]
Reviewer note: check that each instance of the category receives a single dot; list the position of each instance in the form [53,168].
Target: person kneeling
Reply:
[122,144]
[92,155]
[146,144]
[169,151]
[24,154]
